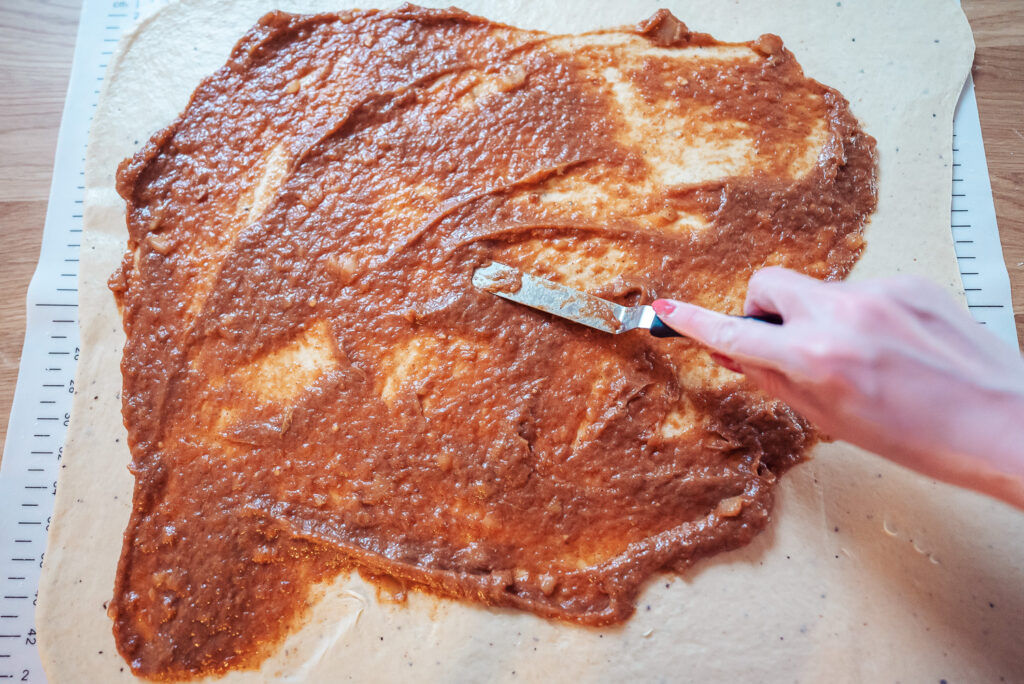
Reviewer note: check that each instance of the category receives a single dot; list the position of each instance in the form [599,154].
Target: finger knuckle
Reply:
[864,310]
[723,334]
[830,360]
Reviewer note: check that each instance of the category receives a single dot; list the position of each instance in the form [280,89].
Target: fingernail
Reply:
[663,307]
[726,362]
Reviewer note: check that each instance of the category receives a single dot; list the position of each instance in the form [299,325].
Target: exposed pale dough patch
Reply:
[403,365]
[285,373]
[248,209]
[412,207]
[802,164]
[640,48]
[698,146]
[275,166]
[492,83]
[570,268]
[680,422]
[412,366]
[708,155]
[604,372]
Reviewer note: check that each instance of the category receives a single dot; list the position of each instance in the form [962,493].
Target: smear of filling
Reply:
[506,282]
[312,385]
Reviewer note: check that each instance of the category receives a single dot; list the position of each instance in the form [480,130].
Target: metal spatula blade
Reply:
[573,305]
[565,302]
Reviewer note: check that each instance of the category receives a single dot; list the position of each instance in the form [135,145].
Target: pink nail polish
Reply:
[663,307]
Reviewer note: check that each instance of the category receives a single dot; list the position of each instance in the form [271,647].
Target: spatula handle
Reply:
[660,329]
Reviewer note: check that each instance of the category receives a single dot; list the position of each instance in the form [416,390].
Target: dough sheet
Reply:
[868,572]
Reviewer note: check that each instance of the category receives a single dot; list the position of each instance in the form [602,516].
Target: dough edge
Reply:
[866,572]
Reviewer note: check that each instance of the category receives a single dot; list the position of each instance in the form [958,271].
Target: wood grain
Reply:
[999,83]
[36,45]
[37,41]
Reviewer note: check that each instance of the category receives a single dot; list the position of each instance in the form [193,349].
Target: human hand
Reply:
[891,365]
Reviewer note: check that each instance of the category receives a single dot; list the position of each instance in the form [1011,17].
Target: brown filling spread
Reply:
[312,385]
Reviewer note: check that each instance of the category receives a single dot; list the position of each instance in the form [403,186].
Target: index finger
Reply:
[742,339]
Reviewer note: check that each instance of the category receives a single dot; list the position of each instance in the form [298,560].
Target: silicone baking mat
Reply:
[42,400]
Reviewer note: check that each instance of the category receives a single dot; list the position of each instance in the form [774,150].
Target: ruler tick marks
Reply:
[17,617]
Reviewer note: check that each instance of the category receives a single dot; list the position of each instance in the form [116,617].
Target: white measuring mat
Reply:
[973,220]
[42,399]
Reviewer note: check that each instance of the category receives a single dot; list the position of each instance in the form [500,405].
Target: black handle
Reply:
[660,329]
[774,319]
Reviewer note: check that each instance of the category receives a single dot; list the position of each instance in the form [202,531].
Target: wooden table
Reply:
[36,44]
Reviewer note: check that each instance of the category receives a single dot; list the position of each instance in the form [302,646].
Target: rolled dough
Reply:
[867,573]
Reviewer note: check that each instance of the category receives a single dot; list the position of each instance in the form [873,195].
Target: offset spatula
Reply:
[580,307]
